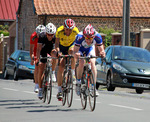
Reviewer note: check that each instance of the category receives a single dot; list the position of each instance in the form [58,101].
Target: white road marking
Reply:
[80,100]
[29,92]
[10,89]
[121,106]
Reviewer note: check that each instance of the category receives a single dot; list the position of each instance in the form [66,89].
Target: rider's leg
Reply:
[54,63]
[60,74]
[36,79]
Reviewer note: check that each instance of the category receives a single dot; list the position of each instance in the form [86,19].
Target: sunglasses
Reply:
[89,38]
[50,34]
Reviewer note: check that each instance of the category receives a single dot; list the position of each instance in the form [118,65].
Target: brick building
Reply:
[99,13]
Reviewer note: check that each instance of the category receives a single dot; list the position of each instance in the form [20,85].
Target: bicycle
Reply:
[47,80]
[67,84]
[88,86]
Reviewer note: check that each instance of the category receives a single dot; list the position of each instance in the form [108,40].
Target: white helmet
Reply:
[40,29]
[50,28]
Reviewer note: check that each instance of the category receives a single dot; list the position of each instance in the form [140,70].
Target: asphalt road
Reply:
[18,103]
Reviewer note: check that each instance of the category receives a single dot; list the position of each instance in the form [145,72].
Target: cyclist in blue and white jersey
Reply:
[85,45]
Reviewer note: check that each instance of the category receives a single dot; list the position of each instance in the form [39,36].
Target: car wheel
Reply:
[139,91]
[109,85]
[97,85]
[5,74]
[15,75]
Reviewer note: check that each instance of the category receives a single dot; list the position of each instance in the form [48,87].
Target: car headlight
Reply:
[22,67]
[119,68]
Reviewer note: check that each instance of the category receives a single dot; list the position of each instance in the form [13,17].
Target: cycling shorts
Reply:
[64,49]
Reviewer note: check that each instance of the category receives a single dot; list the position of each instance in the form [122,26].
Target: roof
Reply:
[8,9]
[97,8]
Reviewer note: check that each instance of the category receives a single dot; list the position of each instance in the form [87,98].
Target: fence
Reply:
[4,52]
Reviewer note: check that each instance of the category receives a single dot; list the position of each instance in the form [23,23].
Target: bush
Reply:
[108,36]
[4,30]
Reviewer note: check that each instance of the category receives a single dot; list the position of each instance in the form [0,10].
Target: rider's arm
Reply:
[57,44]
[101,50]
[31,51]
[39,48]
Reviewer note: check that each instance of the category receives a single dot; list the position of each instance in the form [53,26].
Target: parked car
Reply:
[124,66]
[18,65]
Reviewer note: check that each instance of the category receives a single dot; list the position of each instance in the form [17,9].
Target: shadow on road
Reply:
[32,104]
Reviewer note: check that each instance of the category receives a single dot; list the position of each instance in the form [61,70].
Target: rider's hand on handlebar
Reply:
[59,54]
[102,54]
[77,55]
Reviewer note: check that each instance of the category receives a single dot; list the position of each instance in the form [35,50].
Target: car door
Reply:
[100,65]
[12,62]
[105,65]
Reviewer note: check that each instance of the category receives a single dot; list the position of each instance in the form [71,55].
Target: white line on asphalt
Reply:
[29,92]
[121,106]
[11,89]
[80,100]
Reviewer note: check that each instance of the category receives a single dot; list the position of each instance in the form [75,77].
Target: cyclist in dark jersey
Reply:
[46,45]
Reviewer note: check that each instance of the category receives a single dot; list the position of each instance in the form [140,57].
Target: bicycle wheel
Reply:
[69,88]
[92,91]
[49,88]
[83,95]
[64,89]
[44,89]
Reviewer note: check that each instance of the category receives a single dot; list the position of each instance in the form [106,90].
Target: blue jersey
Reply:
[84,48]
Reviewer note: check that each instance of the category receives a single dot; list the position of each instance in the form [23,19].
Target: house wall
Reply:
[27,23]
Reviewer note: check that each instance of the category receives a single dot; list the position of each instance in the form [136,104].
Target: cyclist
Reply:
[33,47]
[65,37]
[85,45]
[46,45]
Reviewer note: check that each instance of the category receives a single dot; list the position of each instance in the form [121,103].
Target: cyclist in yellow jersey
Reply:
[64,44]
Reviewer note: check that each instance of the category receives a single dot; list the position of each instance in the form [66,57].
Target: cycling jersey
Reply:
[47,46]
[84,47]
[66,40]
[34,40]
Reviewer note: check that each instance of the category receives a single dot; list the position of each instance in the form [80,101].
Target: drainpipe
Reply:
[16,42]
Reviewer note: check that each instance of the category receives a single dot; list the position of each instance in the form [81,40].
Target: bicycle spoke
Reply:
[49,88]
[83,95]
[69,89]
[92,92]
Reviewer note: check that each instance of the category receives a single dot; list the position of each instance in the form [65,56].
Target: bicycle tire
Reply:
[83,95]
[44,89]
[69,88]
[64,89]
[49,88]
[92,91]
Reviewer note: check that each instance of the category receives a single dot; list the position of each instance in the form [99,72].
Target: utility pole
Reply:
[126,23]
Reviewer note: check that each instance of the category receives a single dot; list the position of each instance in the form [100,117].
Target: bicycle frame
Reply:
[67,85]
[88,83]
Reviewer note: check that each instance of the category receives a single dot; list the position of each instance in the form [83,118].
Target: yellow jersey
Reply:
[66,40]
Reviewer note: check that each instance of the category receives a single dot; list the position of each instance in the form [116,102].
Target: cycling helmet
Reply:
[69,23]
[50,28]
[89,31]
[40,29]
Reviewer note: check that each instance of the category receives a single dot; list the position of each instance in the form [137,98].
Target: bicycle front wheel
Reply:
[83,95]
[64,89]
[92,91]
[49,88]
[44,89]
[69,88]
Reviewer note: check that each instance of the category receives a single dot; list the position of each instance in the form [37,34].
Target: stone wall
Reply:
[27,23]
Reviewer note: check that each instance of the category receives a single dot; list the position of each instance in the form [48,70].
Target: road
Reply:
[18,103]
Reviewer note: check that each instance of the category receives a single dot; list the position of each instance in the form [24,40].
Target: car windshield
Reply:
[132,54]
[24,56]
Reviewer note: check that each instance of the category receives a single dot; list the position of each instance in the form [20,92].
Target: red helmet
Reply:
[89,31]
[69,23]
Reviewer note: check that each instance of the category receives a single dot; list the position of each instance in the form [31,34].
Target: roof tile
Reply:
[100,8]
